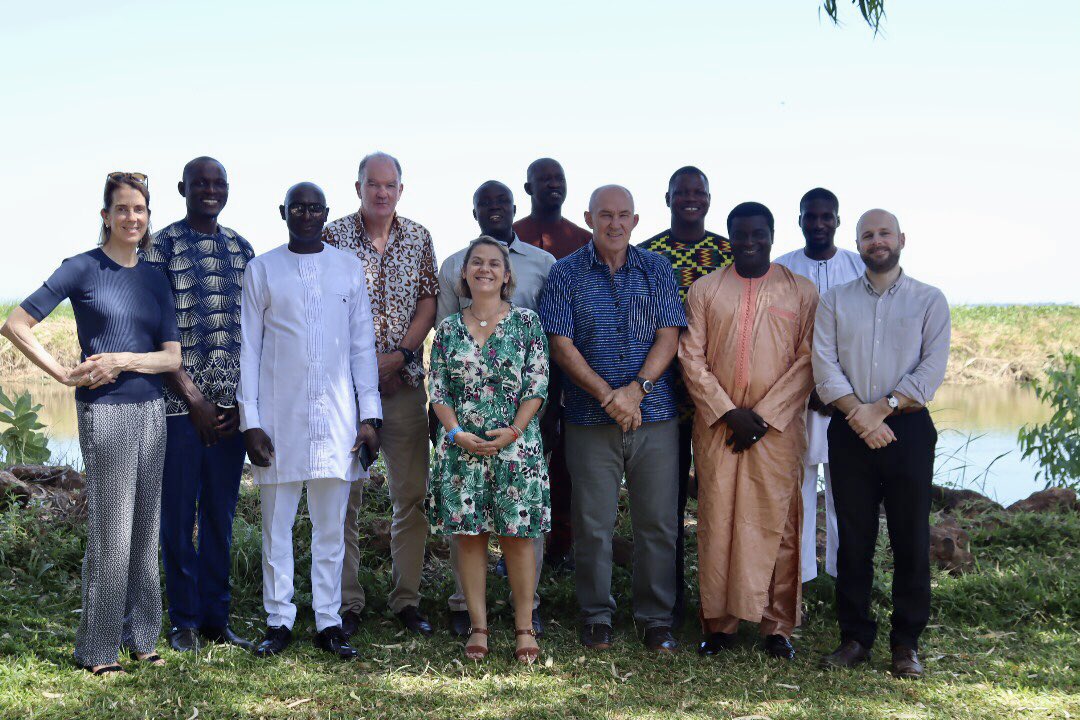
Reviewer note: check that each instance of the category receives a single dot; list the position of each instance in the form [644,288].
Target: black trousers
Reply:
[686,428]
[900,475]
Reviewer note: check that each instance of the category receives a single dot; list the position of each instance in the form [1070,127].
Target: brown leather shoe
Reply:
[597,636]
[660,640]
[905,663]
[848,655]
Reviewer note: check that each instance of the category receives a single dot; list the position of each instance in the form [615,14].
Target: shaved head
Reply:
[541,164]
[877,218]
[605,191]
[492,184]
[199,162]
[305,192]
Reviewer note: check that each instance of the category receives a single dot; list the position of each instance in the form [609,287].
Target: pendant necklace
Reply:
[483,322]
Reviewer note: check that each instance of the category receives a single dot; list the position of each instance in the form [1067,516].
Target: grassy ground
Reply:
[1002,644]
[991,344]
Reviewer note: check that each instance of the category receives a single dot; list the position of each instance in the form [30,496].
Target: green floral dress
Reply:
[506,494]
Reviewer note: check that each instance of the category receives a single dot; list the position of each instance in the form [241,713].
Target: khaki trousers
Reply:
[405,451]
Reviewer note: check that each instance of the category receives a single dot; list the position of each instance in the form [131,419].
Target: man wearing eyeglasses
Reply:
[399,264]
[204,263]
[309,408]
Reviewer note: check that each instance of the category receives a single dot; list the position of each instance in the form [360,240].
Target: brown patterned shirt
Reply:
[396,279]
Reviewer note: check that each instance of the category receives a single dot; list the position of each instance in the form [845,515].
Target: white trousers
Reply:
[327,500]
[809,535]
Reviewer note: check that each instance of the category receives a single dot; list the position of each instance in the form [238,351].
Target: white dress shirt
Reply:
[841,268]
[308,372]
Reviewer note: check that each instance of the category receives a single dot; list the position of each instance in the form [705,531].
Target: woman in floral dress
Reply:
[487,381]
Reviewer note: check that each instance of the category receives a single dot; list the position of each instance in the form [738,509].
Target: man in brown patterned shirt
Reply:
[399,261]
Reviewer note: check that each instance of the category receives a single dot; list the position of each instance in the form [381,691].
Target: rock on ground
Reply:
[1049,500]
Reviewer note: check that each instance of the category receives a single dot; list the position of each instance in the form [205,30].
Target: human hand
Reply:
[746,427]
[259,447]
[101,369]
[70,379]
[228,421]
[204,416]
[367,435]
[819,407]
[866,418]
[473,444]
[880,437]
[623,403]
[390,365]
[500,438]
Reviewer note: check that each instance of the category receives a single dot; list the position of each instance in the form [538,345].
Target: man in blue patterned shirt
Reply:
[613,315]
[204,263]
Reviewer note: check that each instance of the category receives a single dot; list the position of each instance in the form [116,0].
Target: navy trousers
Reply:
[199,482]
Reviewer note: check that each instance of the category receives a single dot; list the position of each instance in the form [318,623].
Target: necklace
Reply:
[483,322]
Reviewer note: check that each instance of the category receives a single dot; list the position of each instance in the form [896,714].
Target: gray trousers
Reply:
[598,456]
[123,449]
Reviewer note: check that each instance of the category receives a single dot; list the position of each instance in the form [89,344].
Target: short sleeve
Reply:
[669,307]
[429,278]
[167,330]
[556,309]
[159,253]
[60,286]
[535,374]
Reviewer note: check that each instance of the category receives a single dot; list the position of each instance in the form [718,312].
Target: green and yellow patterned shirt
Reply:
[691,260]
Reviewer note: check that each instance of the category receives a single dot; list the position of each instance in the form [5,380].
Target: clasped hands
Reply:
[868,420]
[746,426]
[476,445]
[623,405]
[97,370]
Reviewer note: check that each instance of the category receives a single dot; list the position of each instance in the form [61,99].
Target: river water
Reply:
[977,428]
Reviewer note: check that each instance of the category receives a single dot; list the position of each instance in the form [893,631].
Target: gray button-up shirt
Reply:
[871,345]
[529,264]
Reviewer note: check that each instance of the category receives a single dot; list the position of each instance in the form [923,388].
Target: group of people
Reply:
[565,363]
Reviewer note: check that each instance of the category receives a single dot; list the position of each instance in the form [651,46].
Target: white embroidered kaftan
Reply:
[307,362]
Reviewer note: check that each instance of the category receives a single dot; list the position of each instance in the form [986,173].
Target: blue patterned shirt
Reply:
[612,320]
[206,273]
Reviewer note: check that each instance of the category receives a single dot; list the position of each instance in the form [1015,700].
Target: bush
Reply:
[22,443]
[1056,442]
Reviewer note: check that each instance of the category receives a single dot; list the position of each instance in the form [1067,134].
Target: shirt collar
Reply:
[900,279]
[515,245]
[361,231]
[192,229]
[633,256]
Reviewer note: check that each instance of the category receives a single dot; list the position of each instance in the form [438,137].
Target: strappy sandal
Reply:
[114,668]
[151,659]
[477,652]
[526,655]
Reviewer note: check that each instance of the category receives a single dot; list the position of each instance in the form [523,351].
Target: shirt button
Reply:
[616,303]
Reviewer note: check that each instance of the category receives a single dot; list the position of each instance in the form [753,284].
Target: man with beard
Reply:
[693,252]
[827,266]
[613,317]
[494,209]
[881,344]
[204,456]
[546,228]
[746,360]
[399,263]
[309,402]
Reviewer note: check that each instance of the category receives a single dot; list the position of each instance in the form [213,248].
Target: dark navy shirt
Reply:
[206,273]
[117,309]
[613,319]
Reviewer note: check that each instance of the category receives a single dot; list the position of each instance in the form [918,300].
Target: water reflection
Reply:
[977,428]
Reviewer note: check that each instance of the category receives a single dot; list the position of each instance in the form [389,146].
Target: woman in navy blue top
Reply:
[127,332]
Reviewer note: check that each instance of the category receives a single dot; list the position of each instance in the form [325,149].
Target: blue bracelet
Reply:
[452,434]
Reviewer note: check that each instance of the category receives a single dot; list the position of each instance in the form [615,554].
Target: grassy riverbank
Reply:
[1002,644]
[993,344]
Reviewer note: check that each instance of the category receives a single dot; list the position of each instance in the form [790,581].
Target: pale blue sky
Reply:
[963,118]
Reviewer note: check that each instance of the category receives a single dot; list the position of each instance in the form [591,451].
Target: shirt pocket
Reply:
[641,317]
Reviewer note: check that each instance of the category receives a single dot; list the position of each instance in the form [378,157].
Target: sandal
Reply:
[530,654]
[151,659]
[477,652]
[114,668]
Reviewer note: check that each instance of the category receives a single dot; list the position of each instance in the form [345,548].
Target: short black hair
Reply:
[819,193]
[751,209]
[686,170]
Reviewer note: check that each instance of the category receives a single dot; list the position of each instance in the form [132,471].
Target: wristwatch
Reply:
[894,404]
[373,422]
[409,354]
[646,385]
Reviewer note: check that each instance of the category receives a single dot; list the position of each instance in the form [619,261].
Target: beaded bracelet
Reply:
[517,432]
[453,434]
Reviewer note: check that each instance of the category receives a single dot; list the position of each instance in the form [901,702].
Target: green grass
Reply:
[1002,644]
[63,310]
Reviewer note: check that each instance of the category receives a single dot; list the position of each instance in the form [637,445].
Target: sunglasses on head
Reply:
[136,176]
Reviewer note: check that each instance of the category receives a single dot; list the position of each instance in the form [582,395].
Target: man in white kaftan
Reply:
[308,384]
[827,266]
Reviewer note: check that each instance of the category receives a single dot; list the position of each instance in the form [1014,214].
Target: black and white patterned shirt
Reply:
[206,274]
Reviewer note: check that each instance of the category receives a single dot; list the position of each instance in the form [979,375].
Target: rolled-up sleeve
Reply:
[556,308]
[923,382]
[831,381]
[252,307]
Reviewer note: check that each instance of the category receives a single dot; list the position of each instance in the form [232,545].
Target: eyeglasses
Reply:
[137,177]
[297,209]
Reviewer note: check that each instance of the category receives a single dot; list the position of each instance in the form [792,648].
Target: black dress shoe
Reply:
[660,640]
[350,622]
[276,639]
[597,636]
[184,639]
[227,636]
[779,647]
[715,643]
[848,655]
[559,562]
[905,663]
[538,624]
[413,621]
[460,624]
[333,640]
